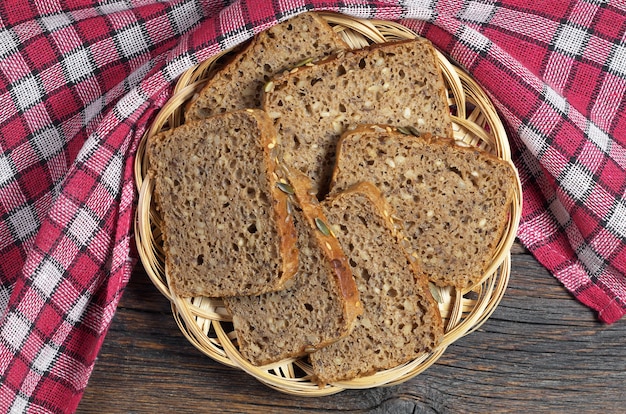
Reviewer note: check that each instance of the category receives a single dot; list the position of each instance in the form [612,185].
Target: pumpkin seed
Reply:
[404,130]
[285,188]
[434,290]
[413,130]
[321,226]
[304,62]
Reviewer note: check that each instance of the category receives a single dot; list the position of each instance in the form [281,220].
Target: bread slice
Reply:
[397,83]
[401,319]
[453,200]
[319,306]
[238,85]
[227,229]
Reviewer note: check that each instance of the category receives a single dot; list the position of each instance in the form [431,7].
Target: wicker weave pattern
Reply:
[205,322]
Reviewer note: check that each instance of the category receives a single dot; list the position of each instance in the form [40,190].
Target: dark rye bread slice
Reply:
[453,200]
[401,319]
[227,230]
[396,83]
[319,306]
[238,85]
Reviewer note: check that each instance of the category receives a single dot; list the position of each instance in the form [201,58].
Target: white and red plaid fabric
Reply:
[80,81]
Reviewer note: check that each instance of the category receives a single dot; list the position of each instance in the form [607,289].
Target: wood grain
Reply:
[541,351]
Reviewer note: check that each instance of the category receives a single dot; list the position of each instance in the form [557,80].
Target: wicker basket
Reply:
[205,322]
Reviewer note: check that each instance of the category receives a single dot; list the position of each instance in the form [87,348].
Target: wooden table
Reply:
[541,351]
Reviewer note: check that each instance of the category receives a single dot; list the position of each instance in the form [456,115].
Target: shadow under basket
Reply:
[205,321]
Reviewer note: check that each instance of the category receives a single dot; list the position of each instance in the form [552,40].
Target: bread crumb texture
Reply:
[453,201]
[394,83]
[213,191]
[239,84]
[308,314]
[400,319]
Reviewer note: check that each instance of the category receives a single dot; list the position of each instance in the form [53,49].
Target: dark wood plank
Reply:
[541,351]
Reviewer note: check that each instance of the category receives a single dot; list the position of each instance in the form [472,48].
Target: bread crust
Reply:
[286,228]
[313,211]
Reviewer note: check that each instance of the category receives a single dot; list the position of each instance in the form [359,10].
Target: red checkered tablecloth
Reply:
[80,81]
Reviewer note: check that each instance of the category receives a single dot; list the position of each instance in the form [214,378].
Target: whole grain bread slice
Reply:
[239,83]
[319,305]
[453,200]
[227,230]
[401,320]
[397,83]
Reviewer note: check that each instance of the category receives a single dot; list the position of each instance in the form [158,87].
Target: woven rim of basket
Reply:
[206,323]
